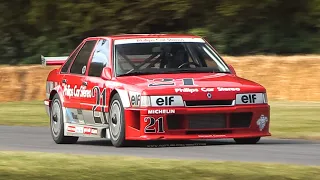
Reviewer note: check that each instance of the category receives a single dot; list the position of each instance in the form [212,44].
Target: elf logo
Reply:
[161,101]
[165,101]
[252,98]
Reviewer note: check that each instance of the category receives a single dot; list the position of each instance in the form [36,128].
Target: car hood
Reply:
[197,85]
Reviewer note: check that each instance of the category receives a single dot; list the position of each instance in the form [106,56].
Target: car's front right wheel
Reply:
[117,122]
[254,140]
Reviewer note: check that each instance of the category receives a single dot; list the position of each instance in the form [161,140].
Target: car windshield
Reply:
[148,57]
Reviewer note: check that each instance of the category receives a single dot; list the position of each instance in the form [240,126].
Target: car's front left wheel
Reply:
[57,123]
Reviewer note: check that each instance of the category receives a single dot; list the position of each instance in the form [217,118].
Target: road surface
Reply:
[38,139]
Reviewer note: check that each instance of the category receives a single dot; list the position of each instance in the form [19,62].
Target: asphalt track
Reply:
[38,139]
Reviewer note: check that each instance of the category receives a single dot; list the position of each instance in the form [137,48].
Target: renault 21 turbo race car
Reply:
[152,87]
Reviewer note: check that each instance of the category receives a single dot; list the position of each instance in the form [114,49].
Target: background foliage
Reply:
[29,28]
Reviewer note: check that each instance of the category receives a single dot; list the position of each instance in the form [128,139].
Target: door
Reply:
[66,81]
[95,108]
[74,84]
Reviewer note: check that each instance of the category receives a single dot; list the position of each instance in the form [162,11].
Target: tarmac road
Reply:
[268,150]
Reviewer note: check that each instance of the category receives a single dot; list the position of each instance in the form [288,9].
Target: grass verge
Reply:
[288,119]
[23,114]
[295,120]
[20,166]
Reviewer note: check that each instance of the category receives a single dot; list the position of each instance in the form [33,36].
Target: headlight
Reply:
[145,101]
[162,101]
[265,98]
[251,98]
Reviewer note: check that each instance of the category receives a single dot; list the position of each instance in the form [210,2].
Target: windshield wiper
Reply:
[193,70]
[135,73]
[200,70]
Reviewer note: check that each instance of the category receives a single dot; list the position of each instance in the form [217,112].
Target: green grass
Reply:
[23,114]
[21,166]
[295,120]
[288,119]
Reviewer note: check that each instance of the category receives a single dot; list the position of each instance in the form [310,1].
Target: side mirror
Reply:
[106,73]
[233,71]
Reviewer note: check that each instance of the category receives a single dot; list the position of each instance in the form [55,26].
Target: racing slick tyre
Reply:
[117,122]
[254,140]
[57,123]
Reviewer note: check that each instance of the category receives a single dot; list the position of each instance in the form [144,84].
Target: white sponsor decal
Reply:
[186,90]
[76,92]
[94,131]
[162,111]
[71,129]
[250,98]
[204,89]
[86,130]
[89,130]
[228,89]
[150,40]
[261,122]
[79,130]
[207,89]
[162,101]
[135,99]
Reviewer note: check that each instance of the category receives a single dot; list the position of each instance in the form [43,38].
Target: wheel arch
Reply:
[124,97]
[52,93]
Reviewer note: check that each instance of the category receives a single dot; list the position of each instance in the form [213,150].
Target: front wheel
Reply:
[57,123]
[117,122]
[254,140]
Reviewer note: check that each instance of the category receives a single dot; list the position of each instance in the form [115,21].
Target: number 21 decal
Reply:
[171,82]
[99,96]
[151,128]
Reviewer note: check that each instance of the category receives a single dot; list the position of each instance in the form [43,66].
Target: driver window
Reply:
[80,63]
[100,58]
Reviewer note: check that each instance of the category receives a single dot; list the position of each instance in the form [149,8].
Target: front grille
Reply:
[209,103]
[207,121]
[175,121]
[240,120]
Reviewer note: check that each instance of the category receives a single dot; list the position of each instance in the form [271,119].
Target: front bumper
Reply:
[198,123]
[47,106]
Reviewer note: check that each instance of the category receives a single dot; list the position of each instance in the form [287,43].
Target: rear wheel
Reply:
[117,122]
[254,140]
[57,123]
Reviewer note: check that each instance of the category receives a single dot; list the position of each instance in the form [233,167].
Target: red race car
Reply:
[152,87]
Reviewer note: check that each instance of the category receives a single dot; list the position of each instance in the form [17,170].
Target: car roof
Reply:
[134,36]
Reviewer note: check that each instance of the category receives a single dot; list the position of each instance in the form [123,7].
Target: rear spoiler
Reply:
[52,61]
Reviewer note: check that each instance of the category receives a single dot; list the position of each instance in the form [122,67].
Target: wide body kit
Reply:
[122,94]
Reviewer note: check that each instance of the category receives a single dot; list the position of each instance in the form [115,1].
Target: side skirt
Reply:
[86,130]
[76,125]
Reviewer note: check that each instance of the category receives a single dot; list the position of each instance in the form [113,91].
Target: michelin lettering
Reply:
[163,111]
